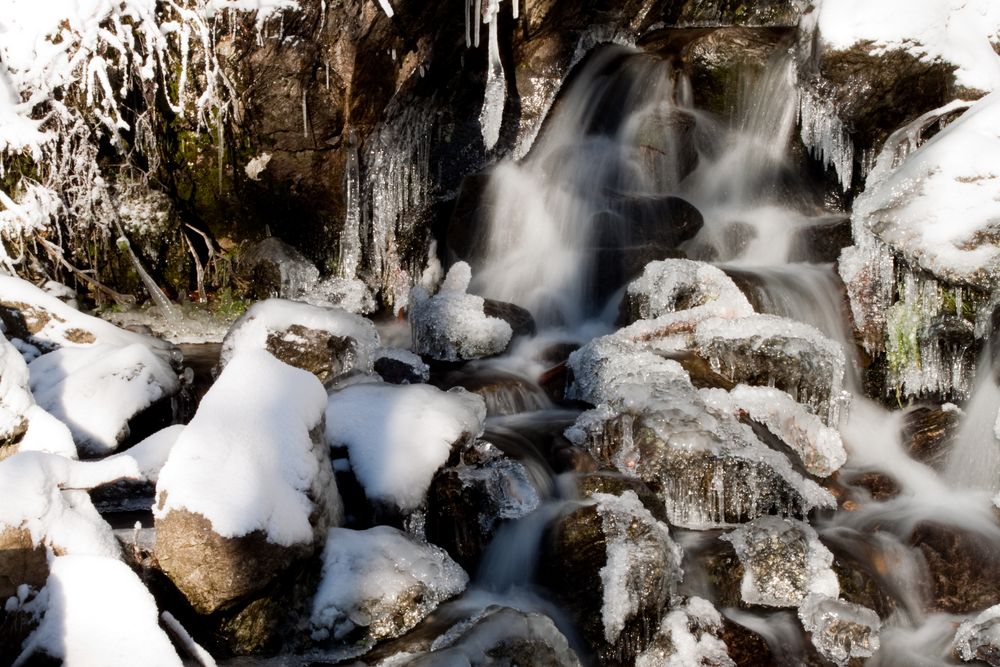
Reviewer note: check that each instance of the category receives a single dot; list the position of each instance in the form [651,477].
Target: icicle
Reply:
[305,115]
[350,236]
[477,16]
[514,8]
[495,96]
[386,7]
[468,30]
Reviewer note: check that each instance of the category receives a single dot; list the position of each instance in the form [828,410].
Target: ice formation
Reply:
[380,583]
[840,630]
[495,96]
[350,235]
[96,611]
[248,460]
[397,436]
[96,390]
[451,325]
[825,135]
[627,555]
[783,562]
[280,318]
[818,446]
[675,285]
[688,637]
[979,638]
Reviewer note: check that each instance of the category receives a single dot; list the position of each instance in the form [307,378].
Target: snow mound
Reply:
[451,325]
[783,562]
[96,611]
[397,436]
[267,322]
[96,390]
[960,32]
[381,580]
[246,461]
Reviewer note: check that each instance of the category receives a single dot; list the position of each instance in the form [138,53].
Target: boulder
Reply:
[398,366]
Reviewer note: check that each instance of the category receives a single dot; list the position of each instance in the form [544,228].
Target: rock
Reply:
[248,488]
[783,562]
[979,639]
[691,635]
[379,583]
[964,570]
[330,343]
[501,636]
[676,285]
[520,320]
[22,561]
[398,366]
[770,13]
[929,433]
[467,503]
[452,325]
[615,567]
[468,227]
[616,484]
[821,243]
[667,145]
[274,269]
[840,630]
[505,393]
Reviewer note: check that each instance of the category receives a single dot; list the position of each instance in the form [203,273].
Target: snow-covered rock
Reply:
[840,630]
[379,583]
[348,294]
[451,325]
[674,285]
[397,436]
[400,366]
[688,637]
[328,342]
[248,487]
[95,611]
[95,390]
[978,639]
[783,562]
[616,568]
[15,395]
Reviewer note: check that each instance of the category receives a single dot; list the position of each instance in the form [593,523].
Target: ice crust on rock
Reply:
[96,611]
[626,556]
[273,318]
[348,294]
[650,422]
[397,436]
[96,390]
[819,447]
[783,562]
[380,581]
[688,637]
[451,325]
[673,285]
[840,630]
[247,461]
[979,638]
[776,351]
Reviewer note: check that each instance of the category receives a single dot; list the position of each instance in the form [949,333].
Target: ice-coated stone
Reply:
[674,285]
[451,325]
[688,637]
[277,270]
[819,447]
[840,630]
[783,562]
[379,583]
[978,639]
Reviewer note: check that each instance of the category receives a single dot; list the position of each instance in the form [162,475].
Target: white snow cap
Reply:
[397,436]
[246,460]
[97,612]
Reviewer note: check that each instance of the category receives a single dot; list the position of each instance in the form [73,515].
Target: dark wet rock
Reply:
[929,433]
[468,228]
[21,561]
[881,486]
[821,243]
[553,382]
[401,367]
[504,393]
[615,484]
[568,458]
[768,13]
[467,503]
[667,146]
[557,353]
[600,554]
[274,269]
[520,319]
[745,647]
[323,354]
[964,567]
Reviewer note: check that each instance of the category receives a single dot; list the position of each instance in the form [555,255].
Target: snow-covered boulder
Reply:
[43,320]
[248,488]
[379,583]
[840,630]
[95,611]
[616,567]
[688,637]
[978,639]
[783,562]
[397,436]
[452,325]
[96,390]
[674,285]
[328,342]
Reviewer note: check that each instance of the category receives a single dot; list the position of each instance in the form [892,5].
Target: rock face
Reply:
[379,583]
[616,567]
